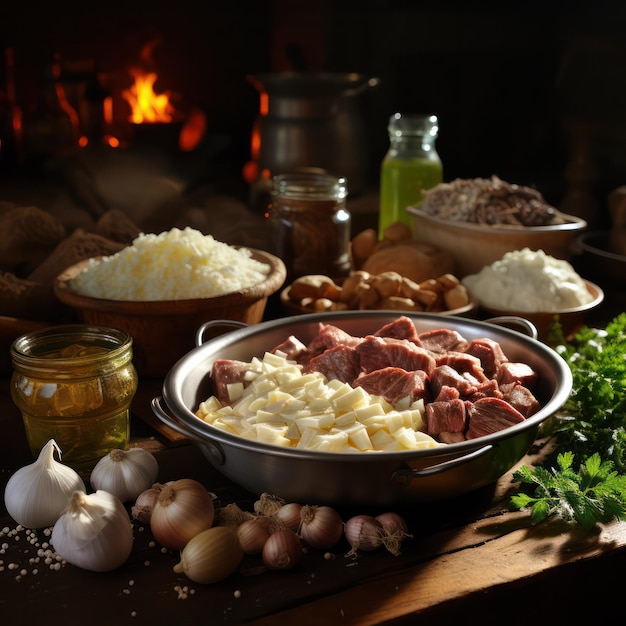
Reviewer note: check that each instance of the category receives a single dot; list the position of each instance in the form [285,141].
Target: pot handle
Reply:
[403,476]
[159,409]
[228,324]
[171,421]
[520,324]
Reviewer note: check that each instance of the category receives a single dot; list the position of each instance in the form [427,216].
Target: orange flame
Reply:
[146,105]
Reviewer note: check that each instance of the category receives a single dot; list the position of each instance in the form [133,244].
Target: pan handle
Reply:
[403,476]
[227,324]
[514,322]
[159,409]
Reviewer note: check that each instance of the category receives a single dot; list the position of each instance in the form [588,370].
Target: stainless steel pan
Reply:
[381,478]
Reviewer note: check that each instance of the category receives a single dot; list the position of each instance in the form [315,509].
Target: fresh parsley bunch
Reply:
[590,430]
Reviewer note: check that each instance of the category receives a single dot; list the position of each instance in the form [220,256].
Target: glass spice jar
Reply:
[310,224]
[74,384]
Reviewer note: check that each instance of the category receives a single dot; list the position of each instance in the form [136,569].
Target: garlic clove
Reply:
[37,494]
[125,473]
[94,532]
[142,509]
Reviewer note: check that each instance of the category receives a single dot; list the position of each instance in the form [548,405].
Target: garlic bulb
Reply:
[37,494]
[125,474]
[94,532]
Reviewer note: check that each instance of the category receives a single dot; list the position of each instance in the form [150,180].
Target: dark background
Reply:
[534,92]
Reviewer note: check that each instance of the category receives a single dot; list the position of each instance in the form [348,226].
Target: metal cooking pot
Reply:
[312,120]
[379,478]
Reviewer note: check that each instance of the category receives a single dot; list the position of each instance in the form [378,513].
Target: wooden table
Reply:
[469,558]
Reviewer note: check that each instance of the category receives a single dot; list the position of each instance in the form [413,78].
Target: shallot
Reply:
[321,526]
[253,533]
[283,550]
[395,531]
[290,515]
[363,532]
[210,556]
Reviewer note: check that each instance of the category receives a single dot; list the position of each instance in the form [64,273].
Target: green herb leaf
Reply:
[590,430]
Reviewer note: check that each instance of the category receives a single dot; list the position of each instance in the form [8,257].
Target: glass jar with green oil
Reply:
[74,384]
[410,167]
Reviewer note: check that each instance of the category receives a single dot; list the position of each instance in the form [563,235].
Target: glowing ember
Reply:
[146,105]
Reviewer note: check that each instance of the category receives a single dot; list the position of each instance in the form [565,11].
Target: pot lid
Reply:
[311,84]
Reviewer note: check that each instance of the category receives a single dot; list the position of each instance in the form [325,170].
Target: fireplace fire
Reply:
[147,107]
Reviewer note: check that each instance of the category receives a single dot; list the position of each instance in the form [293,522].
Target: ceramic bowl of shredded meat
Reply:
[478,220]
[364,407]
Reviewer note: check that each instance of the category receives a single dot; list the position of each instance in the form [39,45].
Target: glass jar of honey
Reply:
[74,384]
[310,223]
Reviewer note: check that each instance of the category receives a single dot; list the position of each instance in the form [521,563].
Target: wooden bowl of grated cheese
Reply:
[164,330]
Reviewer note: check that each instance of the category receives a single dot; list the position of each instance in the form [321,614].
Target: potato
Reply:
[397,303]
[398,231]
[387,284]
[314,286]
[412,259]
[349,293]
[456,297]
[363,245]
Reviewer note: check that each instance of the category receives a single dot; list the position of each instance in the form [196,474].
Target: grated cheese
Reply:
[174,265]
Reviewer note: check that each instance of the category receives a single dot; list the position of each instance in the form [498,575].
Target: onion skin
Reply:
[210,556]
[282,551]
[183,509]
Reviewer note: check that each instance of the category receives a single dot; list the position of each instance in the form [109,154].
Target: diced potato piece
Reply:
[320,421]
[345,419]
[352,399]
[262,417]
[382,440]
[319,405]
[405,437]
[262,387]
[371,410]
[272,434]
[394,421]
[209,406]
[336,441]
[299,382]
[307,437]
[273,359]
[235,391]
[359,438]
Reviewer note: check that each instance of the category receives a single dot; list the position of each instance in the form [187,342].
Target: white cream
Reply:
[528,281]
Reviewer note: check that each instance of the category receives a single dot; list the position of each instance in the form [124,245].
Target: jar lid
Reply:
[401,124]
[310,186]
